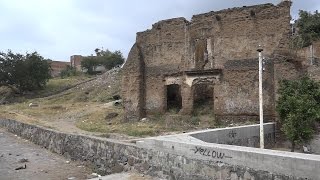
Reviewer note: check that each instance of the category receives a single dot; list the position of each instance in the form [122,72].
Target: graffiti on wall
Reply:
[252,141]
[209,153]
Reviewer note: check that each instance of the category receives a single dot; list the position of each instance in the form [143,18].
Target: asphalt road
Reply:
[41,164]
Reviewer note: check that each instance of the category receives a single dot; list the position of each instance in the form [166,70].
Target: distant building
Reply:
[75,61]
[57,67]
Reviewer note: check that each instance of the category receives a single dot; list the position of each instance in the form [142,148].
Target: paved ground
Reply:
[41,164]
[126,176]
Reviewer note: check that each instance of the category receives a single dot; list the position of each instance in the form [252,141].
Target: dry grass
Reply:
[91,117]
[155,125]
[83,109]
[57,84]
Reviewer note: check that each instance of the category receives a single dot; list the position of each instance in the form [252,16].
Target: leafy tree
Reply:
[8,63]
[105,58]
[308,26]
[299,107]
[90,64]
[23,72]
[115,59]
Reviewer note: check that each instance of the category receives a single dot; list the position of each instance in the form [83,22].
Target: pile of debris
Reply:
[107,79]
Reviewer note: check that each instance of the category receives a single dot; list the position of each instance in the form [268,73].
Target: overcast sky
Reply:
[58,29]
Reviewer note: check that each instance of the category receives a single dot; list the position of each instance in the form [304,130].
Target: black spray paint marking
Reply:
[232,134]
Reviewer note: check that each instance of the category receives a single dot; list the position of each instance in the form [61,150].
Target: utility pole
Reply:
[312,55]
[260,49]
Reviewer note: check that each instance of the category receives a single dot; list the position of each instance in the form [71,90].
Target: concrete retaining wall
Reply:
[315,145]
[294,164]
[241,136]
[170,160]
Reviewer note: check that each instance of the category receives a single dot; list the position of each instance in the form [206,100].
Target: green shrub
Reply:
[308,26]
[104,58]
[24,72]
[68,71]
[299,107]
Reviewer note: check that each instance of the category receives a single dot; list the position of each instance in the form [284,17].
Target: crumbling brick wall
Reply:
[226,40]
[133,84]
[237,94]
[310,57]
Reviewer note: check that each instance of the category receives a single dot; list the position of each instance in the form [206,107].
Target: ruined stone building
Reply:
[213,58]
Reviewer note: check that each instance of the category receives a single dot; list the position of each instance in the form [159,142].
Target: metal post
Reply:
[261,98]
[312,54]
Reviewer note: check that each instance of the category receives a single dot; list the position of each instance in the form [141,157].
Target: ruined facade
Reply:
[211,59]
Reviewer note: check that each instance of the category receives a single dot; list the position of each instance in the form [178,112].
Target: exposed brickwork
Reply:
[133,84]
[75,61]
[226,40]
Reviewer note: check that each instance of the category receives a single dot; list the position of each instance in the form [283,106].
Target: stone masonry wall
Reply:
[286,68]
[236,97]
[108,156]
[311,57]
[210,41]
[133,84]
[235,33]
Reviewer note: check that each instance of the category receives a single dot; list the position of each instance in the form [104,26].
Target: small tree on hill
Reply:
[299,107]
[110,59]
[105,58]
[89,64]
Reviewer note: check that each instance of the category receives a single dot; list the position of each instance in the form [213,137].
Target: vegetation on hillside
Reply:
[299,108]
[23,72]
[88,108]
[68,71]
[105,58]
[308,26]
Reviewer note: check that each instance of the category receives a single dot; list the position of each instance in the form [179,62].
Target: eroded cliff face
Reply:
[218,45]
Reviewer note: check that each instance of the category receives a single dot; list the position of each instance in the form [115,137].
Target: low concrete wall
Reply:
[241,136]
[203,145]
[172,159]
[315,145]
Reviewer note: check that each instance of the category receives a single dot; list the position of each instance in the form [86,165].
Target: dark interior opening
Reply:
[203,98]
[174,100]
